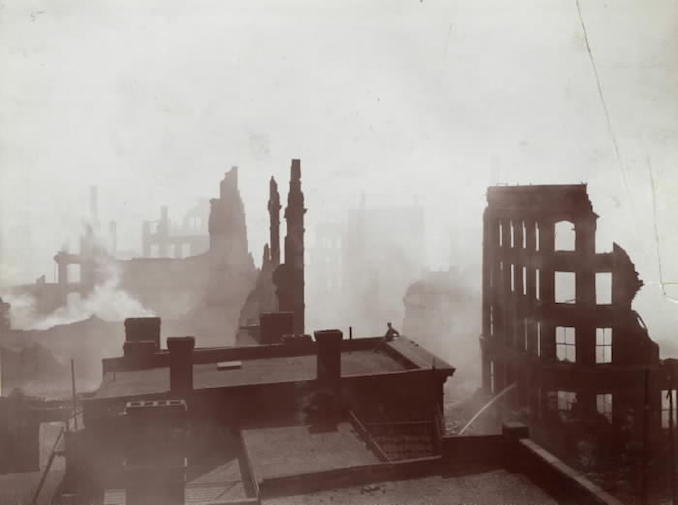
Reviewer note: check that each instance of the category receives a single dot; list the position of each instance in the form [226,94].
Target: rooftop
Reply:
[264,365]
[290,450]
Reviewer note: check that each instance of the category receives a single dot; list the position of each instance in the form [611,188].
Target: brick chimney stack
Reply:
[181,363]
[329,356]
[142,337]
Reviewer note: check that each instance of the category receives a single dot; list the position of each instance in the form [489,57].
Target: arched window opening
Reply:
[565,236]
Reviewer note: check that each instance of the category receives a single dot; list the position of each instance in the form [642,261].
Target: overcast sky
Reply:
[404,101]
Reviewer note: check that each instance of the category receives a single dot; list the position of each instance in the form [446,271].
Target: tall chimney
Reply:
[113,232]
[94,205]
[181,363]
[274,218]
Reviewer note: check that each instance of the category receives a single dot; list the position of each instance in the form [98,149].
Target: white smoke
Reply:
[22,310]
[107,301]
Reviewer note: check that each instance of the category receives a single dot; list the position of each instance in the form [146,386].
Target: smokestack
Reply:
[94,205]
[181,363]
[329,356]
[146,239]
[113,231]
[274,218]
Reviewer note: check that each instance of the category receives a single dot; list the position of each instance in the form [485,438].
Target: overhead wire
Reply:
[620,163]
[601,96]
[657,239]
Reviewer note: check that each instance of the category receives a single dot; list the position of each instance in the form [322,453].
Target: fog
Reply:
[413,102]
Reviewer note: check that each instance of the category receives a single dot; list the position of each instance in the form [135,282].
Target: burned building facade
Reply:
[163,238]
[276,306]
[289,277]
[557,322]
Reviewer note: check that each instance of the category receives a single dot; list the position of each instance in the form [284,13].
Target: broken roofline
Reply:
[541,198]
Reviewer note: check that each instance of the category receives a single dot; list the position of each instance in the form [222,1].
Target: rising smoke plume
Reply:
[107,301]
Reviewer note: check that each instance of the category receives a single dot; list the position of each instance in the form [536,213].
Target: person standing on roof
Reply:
[391,333]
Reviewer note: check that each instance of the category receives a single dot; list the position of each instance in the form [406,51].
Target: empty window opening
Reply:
[524,280]
[491,320]
[513,277]
[565,287]
[538,338]
[74,274]
[666,407]
[603,345]
[537,284]
[525,334]
[492,378]
[603,288]
[564,239]
[566,400]
[513,235]
[536,236]
[566,349]
[501,234]
[604,405]
[524,228]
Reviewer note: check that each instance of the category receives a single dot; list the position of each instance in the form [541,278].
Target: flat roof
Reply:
[252,371]
[290,450]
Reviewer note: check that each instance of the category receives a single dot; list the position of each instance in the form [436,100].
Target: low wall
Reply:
[287,485]
[565,484]
[474,451]
[515,452]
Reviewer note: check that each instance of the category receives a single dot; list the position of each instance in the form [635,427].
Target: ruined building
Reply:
[263,299]
[558,322]
[289,277]
[199,295]
[163,238]
[275,308]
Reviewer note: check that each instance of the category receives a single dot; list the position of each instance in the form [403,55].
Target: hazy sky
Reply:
[428,101]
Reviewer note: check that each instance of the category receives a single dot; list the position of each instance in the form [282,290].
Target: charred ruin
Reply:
[558,323]
[223,402]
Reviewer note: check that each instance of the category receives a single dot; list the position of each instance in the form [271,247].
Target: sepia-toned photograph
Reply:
[386,252]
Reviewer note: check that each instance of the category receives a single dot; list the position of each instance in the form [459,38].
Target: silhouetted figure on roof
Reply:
[391,332]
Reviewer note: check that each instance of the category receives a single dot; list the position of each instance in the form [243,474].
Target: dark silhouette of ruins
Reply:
[163,239]
[275,309]
[557,321]
[188,423]
[289,277]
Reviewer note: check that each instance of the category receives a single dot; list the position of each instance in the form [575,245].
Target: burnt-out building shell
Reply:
[557,321]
